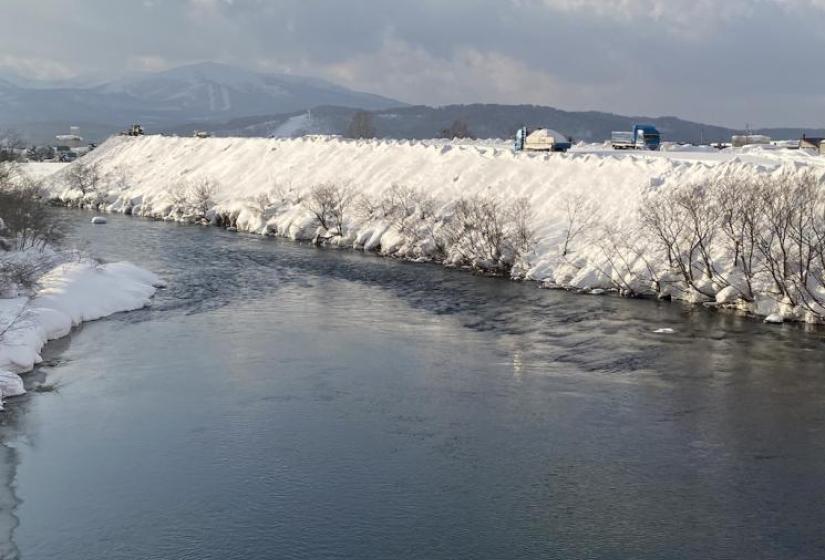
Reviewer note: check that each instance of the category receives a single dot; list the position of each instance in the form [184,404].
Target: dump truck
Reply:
[540,140]
[643,137]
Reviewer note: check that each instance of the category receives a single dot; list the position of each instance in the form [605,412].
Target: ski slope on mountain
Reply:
[262,185]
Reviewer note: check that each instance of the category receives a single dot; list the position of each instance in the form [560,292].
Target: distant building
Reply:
[741,140]
[69,140]
[812,143]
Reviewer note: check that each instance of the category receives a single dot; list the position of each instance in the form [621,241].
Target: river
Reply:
[284,401]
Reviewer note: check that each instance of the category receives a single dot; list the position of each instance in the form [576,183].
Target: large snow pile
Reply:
[69,295]
[567,220]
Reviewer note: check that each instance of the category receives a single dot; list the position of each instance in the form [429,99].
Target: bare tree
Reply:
[329,202]
[740,209]
[199,198]
[83,177]
[26,220]
[685,222]
[791,238]
[621,253]
[459,129]
[361,125]
[11,145]
[582,215]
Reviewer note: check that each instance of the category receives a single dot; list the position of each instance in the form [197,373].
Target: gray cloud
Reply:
[732,62]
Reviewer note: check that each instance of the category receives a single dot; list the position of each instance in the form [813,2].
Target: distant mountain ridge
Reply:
[229,100]
[484,121]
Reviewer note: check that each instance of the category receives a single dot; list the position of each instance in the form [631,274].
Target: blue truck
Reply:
[643,137]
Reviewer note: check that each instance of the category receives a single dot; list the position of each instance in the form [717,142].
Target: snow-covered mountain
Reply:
[206,92]
[212,90]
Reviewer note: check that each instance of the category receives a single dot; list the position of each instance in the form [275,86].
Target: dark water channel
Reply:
[283,401]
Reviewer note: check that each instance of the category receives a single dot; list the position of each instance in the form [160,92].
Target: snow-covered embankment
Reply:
[456,204]
[68,295]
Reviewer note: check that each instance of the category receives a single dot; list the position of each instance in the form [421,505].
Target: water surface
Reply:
[284,401]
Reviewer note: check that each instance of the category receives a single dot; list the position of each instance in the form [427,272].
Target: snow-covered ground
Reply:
[40,169]
[70,294]
[262,186]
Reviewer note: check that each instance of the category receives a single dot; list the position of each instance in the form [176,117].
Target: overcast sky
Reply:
[728,62]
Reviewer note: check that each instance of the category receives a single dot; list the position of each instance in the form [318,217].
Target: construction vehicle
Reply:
[643,137]
[540,140]
[134,130]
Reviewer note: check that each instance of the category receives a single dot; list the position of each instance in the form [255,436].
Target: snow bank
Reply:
[262,185]
[40,169]
[70,294]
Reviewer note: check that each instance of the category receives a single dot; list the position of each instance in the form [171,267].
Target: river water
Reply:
[283,401]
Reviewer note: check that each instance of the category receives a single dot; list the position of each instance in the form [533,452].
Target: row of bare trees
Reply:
[485,231]
[762,235]
[765,232]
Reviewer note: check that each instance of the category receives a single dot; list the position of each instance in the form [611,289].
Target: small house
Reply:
[812,143]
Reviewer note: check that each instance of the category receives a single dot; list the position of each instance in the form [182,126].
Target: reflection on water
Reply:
[279,400]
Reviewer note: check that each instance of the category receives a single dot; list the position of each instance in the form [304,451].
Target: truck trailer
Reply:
[540,140]
[643,137]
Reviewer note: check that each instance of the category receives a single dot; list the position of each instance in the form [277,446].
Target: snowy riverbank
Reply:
[422,200]
[68,295]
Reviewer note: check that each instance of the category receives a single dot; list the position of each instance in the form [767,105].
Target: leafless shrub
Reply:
[625,264]
[400,206]
[83,177]
[12,175]
[23,272]
[489,233]
[582,216]
[199,198]
[414,214]
[366,208]
[262,202]
[178,196]
[285,194]
[192,201]
[329,202]
[26,220]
